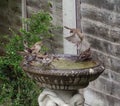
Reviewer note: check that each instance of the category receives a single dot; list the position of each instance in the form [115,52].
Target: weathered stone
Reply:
[110,74]
[96,14]
[95,30]
[109,61]
[115,76]
[107,4]
[108,86]
[116,21]
[60,98]
[114,35]
[102,45]
[112,5]
[115,65]
[101,30]
[95,97]
[101,15]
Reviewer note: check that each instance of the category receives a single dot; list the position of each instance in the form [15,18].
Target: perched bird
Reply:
[26,48]
[83,46]
[85,55]
[76,37]
[36,47]
[31,54]
[47,61]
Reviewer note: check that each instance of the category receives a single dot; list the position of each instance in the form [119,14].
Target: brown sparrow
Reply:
[85,55]
[36,47]
[26,48]
[76,37]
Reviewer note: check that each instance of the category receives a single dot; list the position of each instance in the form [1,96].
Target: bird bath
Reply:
[63,75]
[62,81]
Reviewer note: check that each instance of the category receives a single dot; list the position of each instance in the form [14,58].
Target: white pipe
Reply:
[69,19]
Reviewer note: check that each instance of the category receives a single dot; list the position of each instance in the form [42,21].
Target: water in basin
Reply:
[70,64]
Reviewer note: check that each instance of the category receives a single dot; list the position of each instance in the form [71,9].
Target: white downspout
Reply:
[69,19]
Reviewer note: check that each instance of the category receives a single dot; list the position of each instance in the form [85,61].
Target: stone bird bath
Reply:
[62,76]
[61,84]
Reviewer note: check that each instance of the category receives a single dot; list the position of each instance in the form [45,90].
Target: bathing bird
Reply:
[36,47]
[76,36]
[85,55]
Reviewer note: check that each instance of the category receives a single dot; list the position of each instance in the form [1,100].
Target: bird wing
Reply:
[35,48]
[80,35]
[71,39]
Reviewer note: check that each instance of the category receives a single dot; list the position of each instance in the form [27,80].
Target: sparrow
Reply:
[36,47]
[76,37]
[85,55]
[26,48]
[47,61]
[28,57]
[31,54]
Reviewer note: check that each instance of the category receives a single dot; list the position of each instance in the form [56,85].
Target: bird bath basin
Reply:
[67,74]
[64,78]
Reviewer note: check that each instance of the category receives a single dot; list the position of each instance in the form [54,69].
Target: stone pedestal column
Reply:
[60,98]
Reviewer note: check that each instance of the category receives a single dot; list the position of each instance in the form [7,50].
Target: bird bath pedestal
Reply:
[62,83]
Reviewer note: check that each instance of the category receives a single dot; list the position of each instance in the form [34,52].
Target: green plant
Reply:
[16,89]
[39,28]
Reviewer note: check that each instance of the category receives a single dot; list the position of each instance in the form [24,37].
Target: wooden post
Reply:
[24,13]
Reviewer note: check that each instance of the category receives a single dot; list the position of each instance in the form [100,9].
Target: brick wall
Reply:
[101,24]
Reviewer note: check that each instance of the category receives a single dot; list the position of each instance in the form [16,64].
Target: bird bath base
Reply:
[60,98]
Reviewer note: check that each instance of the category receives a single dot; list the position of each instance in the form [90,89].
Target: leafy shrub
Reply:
[16,89]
